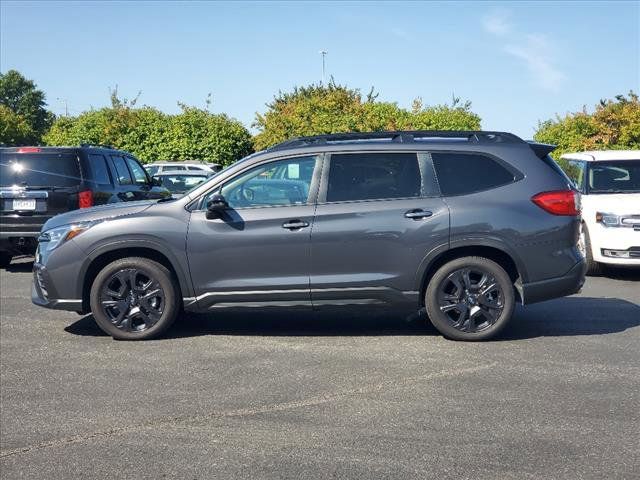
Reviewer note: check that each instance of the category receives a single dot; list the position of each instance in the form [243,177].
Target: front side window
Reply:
[464,173]
[124,176]
[139,174]
[279,183]
[373,176]
[575,172]
[614,177]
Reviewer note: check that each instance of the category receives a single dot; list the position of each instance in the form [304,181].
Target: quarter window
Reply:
[464,173]
[372,176]
[575,172]
[124,176]
[99,169]
[279,183]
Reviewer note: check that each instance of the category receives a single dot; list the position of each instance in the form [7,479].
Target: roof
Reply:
[182,173]
[177,162]
[603,155]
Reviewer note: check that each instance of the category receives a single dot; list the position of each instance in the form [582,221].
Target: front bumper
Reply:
[568,284]
[618,239]
[43,292]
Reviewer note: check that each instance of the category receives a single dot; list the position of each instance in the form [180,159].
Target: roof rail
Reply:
[99,145]
[407,136]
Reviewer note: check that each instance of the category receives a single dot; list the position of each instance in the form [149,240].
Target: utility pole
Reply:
[66,105]
[323,53]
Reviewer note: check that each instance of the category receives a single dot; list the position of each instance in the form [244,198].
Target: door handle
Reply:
[294,224]
[418,213]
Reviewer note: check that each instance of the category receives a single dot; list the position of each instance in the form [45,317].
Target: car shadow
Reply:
[571,316]
[621,273]
[21,265]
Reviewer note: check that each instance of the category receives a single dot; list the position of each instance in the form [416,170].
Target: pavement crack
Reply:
[242,412]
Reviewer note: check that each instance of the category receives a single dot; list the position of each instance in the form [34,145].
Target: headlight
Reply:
[57,236]
[608,219]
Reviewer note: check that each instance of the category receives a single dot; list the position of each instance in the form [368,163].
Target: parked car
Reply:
[37,183]
[159,167]
[180,182]
[462,224]
[609,183]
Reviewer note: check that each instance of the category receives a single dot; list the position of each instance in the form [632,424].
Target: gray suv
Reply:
[460,224]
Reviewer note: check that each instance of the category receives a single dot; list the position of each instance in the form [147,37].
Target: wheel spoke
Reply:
[466,278]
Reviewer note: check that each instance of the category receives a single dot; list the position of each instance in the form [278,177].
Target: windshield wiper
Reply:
[166,199]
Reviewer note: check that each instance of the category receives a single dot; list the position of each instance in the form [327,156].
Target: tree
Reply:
[614,125]
[318,109]
[23,116]
[193,134]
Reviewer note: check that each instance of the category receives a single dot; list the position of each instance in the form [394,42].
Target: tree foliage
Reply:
[193,134]
[613,125]
[318,109]
[23,116]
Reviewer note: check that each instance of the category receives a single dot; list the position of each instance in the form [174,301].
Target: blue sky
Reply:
[518,62]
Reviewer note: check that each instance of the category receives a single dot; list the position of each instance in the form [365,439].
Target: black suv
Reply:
[37,183]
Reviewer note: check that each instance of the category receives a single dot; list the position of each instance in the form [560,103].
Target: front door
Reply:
[378,216]
[257,253]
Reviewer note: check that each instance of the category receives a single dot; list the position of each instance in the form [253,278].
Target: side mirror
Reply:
[216,206]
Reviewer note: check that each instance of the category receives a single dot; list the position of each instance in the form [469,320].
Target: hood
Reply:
[616,203]
[101,212]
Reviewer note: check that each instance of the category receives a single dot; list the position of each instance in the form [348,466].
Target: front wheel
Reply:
[470,298]
[134,299]
[584,245]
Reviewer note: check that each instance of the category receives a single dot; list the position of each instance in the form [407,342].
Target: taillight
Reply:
[85,199]
[28,150]
[560,202]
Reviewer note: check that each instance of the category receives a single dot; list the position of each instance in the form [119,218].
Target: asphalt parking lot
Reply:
[328,396]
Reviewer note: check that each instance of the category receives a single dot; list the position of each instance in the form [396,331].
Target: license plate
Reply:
[24,204]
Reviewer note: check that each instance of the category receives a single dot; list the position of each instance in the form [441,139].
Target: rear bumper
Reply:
[568,284]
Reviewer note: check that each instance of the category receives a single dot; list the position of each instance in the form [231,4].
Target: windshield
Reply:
[181,183]
[614,177]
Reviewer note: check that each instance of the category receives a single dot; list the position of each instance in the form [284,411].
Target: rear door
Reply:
[378,215]
[36,185]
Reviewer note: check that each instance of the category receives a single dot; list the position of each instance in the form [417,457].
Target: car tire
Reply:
[5,259]
[470,299]
[593,268]
[134,299]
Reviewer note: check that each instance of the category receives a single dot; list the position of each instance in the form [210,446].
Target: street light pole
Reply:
[66,105]
[323,53]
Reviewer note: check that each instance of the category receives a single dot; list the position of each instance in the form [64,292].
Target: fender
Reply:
[179,265]
[472,241]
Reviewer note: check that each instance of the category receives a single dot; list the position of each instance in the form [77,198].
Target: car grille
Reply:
[634,252]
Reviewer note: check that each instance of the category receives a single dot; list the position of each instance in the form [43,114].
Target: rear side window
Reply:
[39,169]
[152,170]
[124,177]
[171,168]
[99,169]
[464,173]
[372,176]
[139,174]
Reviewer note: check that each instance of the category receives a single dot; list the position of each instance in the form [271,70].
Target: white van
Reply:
[609,183]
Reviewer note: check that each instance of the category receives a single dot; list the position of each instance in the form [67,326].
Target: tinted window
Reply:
[168,168]
[368,176]
[99,169]
[614,177]
[152,170]
[39,169]
[285,182]
[463,173]
[124,177]
[139,174]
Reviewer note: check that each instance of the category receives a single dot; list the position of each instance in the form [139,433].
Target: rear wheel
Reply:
[5,259]
[134,299]
[584,245]
[470,298]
